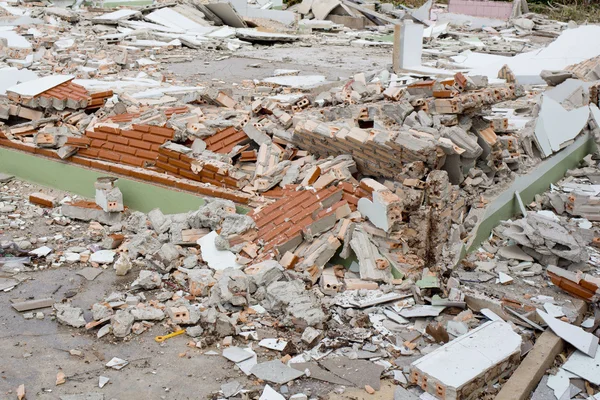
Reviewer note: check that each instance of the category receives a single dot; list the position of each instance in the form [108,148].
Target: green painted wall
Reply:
[78,180]
[551,170]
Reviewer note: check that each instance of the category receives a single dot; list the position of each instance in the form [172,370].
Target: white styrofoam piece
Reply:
[299,82]
[411,45]
[553,310]
[565,89]
[173,19]
[471,21]
[270,394]
[560,382]
[423,13]
[556,126]
[489,314]
[374,210]
[37,86]
[117,15]
[435,30]
[466,357]
[15,41]
[585,367]
[273,344]
[215,258]
[582,340]
[562,52]
[151,26]
[12,76]
[245,10]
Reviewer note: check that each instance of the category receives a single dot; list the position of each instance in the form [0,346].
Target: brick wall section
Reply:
[67,90]
[371,156]
[225,140]
[179,164]
[477,8]
[135,146]
[286,218]
[149,176]
[352,194]
[129,117]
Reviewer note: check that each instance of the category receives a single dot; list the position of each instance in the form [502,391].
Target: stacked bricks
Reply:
[352,193]
[224,141]
[179,164]
[375,153]
[136,146]
[65,95]
[287,218]
[146,175]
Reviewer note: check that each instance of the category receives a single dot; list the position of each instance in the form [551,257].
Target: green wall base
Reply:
[79,180]
[537,181]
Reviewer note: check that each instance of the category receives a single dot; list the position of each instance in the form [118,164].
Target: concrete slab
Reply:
[586,367]
[359,372]
[34,87]
[275,371]
[469,356]
[173,19]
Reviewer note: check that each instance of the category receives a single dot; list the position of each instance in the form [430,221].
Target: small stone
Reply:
[123,265]
[227,341]
[76,353]
[369,389]
[102,381]
[28,315]
[60,378]
[103,257]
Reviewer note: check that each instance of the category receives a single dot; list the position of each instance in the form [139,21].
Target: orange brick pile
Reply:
[135,146]
[225,140]
[287,218]
[181,165]
[352,193]
[129,117]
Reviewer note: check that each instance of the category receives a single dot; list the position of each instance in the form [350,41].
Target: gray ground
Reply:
[33,351]
[332,61]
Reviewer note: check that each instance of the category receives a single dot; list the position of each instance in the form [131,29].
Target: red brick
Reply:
[148,155]
[164,132]
[167,167]
[140,144]
[99,165]
[132,134]
[163,158]
[124,149]
[109,155]
[190,175]
[131,160]
[169,153]
[274,232]
[141,128]
[180,164]
[107,129]
[185,186]
[88,152]
[96,135]
[80,160]
[154,147]
[97,143]
[154,138]
[118,169]
[118,139]
[108,146]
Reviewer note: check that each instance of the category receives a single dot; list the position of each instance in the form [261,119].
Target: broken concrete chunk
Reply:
[69,315]
[147,280]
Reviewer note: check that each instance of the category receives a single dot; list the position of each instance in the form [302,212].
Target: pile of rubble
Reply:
[336,213]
